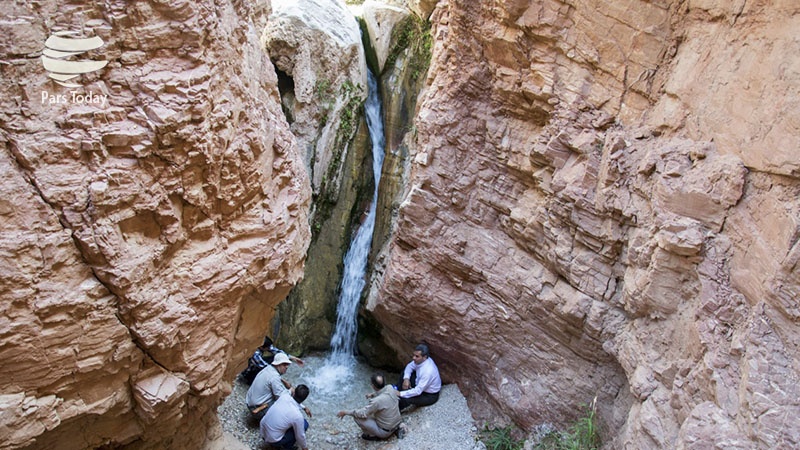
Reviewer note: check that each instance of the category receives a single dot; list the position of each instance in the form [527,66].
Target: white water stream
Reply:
[343,342]
[336,380]
[335,375]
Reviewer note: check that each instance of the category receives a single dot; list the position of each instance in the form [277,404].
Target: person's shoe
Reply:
[401,431]
[367,437]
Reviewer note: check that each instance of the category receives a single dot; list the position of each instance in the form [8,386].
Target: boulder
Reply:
[380,20]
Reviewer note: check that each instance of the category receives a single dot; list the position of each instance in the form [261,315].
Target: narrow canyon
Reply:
[581,201]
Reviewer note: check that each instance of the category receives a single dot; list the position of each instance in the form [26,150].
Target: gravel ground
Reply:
[446,425]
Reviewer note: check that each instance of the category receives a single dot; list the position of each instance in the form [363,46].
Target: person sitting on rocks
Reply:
[261,358]
[380,418]
[421,381]
[283,425]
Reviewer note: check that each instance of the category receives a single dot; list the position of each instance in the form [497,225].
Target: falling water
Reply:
[343,341]
[333,379]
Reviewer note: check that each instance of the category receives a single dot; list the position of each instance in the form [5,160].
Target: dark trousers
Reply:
[424,399]
[288,440]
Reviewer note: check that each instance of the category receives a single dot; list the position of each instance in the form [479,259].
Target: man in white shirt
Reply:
[421,382]
[284,426]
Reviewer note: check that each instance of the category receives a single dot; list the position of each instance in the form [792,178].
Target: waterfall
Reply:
[334,379]
[343,342]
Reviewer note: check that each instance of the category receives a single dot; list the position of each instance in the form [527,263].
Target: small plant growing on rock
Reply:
[500,438]
[350,115]
[414,34]
[324,92]
[582,435]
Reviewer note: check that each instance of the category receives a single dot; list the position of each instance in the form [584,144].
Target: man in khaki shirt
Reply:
[381,417]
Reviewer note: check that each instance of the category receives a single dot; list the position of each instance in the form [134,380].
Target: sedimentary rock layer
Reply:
[603,203]
[147,236]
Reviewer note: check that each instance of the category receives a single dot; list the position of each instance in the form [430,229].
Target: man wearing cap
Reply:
[262,357]
[268,386]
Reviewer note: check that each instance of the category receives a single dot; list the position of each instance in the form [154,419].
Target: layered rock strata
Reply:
[603,203]
[147,236]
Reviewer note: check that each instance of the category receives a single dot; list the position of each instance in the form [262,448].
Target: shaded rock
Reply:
[402,81]
[709,427]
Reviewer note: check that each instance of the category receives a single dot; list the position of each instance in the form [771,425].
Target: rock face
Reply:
[603,202]
[598,200]
[146,238]
[380,20]
[316,46]
[403,76]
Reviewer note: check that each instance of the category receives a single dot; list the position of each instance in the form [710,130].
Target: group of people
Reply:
[278,406]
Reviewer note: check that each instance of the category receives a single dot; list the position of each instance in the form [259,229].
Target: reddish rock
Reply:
[603,201]
[146,240]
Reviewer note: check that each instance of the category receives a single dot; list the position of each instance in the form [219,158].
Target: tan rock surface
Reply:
[603,202]
[147,239]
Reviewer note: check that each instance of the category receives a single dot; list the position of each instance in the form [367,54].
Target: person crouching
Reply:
[380,418]
[283,425]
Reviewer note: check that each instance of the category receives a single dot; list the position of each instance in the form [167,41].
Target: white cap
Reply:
[280,358]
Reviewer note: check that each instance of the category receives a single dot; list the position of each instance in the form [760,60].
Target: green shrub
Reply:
[581,435]
[414,34]
[500,439]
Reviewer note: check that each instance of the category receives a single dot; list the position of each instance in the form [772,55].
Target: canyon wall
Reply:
[149,230]
[595,200]
[602,202]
